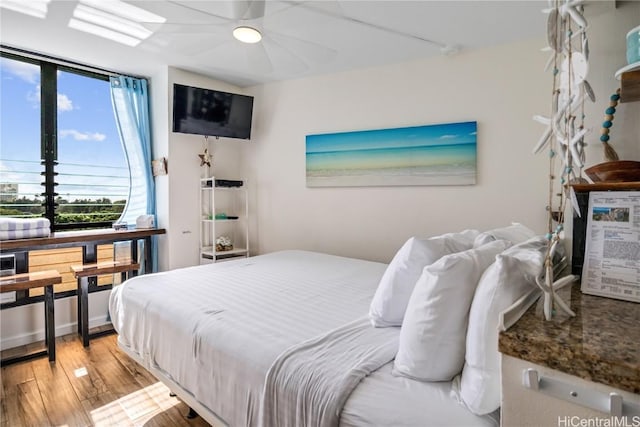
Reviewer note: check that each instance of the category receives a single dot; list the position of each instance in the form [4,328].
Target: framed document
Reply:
[612,245]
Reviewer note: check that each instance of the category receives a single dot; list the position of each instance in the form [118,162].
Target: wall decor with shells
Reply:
[565,130]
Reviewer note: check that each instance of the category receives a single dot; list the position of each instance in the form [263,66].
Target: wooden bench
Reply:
[82,273]
[38,279]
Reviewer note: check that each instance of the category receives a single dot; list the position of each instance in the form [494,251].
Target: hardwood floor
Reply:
[97,386]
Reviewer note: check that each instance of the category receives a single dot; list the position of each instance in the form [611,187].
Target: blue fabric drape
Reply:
[130,99]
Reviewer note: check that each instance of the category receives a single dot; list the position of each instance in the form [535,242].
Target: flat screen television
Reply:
[211,112]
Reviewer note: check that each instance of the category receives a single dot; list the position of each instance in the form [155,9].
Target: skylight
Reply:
[37,8]
[114,20]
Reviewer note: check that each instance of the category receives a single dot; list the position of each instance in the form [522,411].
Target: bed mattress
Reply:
[216,329]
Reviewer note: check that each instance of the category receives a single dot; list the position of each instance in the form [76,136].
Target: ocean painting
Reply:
[441,154]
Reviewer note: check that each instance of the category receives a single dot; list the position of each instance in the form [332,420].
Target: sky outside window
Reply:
[92,163]
[20,126]
[91,160]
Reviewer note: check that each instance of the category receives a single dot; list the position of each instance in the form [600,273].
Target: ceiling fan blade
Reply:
[205,49]
[248,9]
[306,51]
[187,28]
[257,58]
[284,58]
[334,9]
[182,12]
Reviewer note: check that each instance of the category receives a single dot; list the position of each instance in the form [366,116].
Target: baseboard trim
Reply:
[35,336]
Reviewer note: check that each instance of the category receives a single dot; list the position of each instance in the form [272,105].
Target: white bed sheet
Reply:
[382,399]
[221,335]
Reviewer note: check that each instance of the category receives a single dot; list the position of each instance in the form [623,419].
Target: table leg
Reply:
[50,329]
[134,256]
[83,301]
[89,256]
[148,259]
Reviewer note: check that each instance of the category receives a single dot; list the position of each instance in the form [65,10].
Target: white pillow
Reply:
[515,233]
[432,338]
[394,290]
[511,276]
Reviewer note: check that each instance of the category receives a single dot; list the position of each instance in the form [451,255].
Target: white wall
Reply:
[500,88]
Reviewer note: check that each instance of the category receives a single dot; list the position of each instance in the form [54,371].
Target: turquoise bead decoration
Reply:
[548,236]
[609,112]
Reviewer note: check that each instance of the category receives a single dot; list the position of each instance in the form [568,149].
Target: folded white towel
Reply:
[24,228]
[11,224]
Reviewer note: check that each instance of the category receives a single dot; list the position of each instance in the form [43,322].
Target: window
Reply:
[61,154]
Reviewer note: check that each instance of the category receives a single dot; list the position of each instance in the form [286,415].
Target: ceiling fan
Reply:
[228,22]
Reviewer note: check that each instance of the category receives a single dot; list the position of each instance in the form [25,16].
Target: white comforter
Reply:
[238,326]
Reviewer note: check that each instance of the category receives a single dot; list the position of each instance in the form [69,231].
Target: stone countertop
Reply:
[601,343]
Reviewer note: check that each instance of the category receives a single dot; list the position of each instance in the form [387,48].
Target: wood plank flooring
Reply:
[96,386]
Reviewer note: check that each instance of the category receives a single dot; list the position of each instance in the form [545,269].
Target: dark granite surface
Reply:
[600,344]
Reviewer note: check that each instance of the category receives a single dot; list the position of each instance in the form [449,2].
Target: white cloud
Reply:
[448,136]
[34,97]
[30,73]
[64,103]
[82,136]
[4,168]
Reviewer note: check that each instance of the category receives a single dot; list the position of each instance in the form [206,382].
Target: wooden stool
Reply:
[37,279]
[82,273]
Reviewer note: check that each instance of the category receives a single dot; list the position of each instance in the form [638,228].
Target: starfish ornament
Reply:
[205,158]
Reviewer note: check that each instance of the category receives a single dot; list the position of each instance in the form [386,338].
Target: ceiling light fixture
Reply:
[97,30]
[111,22]
[247,34]
[37,8]
[114,20]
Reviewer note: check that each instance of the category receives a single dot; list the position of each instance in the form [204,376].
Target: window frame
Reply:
[49,132]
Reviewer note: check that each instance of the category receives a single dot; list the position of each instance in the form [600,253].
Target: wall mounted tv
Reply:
[211,112]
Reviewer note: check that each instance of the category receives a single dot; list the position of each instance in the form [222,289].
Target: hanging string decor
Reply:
[565,131]
[609,152]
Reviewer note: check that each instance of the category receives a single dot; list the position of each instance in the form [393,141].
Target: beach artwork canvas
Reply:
[440,154]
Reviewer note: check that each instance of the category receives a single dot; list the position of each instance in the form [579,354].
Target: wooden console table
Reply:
[88,240]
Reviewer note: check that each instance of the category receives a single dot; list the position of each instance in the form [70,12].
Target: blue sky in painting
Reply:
[417,136]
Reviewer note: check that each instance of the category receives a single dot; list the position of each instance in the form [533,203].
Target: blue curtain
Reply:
[130,99]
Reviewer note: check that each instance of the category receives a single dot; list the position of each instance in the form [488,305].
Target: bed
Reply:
[232,338]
